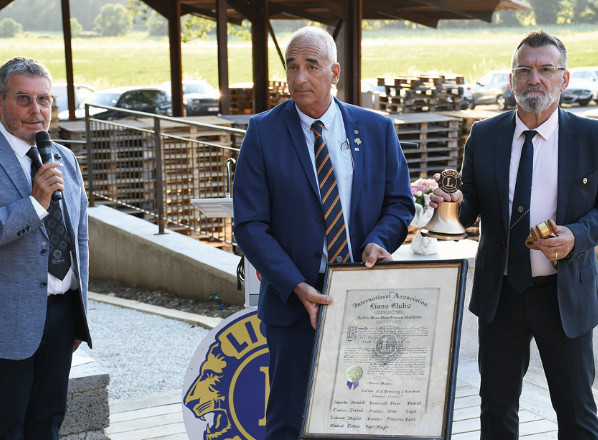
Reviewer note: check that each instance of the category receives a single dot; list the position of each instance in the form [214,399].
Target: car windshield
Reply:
[109,99]
[196,87]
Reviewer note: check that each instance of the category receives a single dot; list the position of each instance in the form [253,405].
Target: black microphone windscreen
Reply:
[44,145]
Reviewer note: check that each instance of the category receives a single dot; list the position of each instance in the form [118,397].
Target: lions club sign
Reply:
[226,386]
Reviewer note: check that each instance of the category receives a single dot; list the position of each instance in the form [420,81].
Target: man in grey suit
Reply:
[520,169]
[44,271]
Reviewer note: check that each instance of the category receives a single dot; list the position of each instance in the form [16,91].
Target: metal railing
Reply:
[152,166]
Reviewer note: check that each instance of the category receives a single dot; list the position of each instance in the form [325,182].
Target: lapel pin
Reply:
[585,180]
[355,131]
[357,141]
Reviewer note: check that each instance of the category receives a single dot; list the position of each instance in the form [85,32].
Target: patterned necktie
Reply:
[519,271]
[336,234]
[59,260]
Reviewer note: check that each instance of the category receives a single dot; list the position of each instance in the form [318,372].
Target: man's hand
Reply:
[47,180]
[438,196]
[311,300]
[558,247]
[372,253]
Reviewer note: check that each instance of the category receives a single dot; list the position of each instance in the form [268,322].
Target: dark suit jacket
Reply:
[278,213]
[24,253]
[485,188]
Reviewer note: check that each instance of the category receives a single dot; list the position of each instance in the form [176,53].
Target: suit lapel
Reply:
[12,166]
[568,151]
[357,142]
[298,139]
[503,145]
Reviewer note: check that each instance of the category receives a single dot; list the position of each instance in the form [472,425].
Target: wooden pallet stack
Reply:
[242,98]
[437,137]
[424,93]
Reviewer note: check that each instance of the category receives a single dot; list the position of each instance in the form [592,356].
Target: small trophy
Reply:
[444,224]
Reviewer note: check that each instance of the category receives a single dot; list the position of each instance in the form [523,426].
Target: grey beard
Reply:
[537,104]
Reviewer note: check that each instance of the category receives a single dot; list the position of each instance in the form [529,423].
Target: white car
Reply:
[82,92]
[586,78]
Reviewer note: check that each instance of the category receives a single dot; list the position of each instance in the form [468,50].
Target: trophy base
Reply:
[443,236]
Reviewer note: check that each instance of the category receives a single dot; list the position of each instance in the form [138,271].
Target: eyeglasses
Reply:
[25,100]
[525,73]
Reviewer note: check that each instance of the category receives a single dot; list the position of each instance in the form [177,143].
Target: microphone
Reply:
[44,145]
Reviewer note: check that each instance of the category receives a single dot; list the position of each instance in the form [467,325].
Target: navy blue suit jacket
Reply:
[485,175]
[278,213]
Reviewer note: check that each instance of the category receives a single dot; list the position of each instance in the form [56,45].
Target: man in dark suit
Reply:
[520,169]
[43,282]
[284,220]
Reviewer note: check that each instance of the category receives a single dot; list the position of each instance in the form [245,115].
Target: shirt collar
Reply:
[19,146]
[327,118]
[546,130]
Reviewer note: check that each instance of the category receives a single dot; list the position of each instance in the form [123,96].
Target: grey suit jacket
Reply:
[24,253]
[485,175]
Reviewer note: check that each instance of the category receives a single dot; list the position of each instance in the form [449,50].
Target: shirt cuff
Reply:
[39,209]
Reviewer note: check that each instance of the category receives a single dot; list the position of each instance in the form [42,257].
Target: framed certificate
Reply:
[385,359]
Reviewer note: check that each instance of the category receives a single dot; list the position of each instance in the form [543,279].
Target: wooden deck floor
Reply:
[160,416]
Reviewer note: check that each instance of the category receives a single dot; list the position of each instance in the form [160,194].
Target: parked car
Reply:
[199,97]
[586,78]
[493,88]
[143,99]
[82,92]
[579,95]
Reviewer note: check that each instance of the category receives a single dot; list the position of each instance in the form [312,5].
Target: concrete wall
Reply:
[130,250]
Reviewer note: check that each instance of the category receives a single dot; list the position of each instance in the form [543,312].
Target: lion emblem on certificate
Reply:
[386,351]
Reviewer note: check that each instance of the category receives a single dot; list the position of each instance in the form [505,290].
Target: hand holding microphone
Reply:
[44,145]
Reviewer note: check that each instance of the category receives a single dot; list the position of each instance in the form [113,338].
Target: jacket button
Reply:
[43,284]
[28,228]
[44,251]
[321,219]
[318,255]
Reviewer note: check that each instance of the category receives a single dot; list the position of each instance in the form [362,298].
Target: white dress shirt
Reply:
[544,180]
[339,150]
[20,147]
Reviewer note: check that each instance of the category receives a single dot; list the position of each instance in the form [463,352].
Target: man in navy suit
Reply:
[280,220]
[43,285]
[517,293]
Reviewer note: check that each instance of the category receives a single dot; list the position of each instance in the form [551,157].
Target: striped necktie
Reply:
[519,270]
[336,234]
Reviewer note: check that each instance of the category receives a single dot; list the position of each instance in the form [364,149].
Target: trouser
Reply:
[34,390]
[504,356]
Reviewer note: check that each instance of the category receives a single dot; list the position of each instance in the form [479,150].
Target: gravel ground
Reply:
[143,353]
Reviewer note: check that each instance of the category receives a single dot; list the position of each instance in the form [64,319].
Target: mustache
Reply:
[534,89]
[34,119]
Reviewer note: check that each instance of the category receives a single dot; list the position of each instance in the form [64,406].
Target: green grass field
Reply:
[140,60]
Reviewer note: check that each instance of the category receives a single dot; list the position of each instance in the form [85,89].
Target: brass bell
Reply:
[545,229]
[445,224]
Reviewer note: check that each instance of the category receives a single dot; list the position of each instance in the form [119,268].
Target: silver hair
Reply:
[539,38]
[21,65]
[317,34]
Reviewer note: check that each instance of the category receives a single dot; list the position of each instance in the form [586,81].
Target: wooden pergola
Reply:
[343,16]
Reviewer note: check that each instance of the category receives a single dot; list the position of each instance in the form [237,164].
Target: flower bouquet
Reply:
[421,190]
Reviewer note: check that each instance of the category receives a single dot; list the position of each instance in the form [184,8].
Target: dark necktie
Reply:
[59,260]
[336,234]
[519,271]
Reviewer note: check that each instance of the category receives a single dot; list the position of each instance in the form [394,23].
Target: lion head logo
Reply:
[232,385]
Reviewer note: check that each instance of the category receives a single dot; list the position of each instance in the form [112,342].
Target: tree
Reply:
[113,21]
[76,28]
[157,25]
[9,28]
[546,11]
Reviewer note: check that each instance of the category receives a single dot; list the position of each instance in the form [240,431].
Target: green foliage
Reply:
[113,21]
[546,11]
[9,28]
[194,28]
[242,32]
[76,28]
[157,25]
